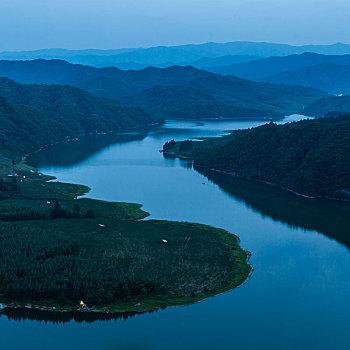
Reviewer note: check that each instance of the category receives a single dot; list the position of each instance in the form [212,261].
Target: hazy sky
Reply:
[33,24]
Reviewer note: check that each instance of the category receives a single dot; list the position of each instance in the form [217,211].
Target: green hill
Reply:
[36,115]
[310,157]
[23,130]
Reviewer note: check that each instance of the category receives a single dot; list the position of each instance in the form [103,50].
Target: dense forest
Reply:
[311,157]
[68,260]
[41,266]
[172,93]
[35,115]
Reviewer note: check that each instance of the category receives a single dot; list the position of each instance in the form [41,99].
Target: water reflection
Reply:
[69,153]
[298,297]
[24,314]
[331,218]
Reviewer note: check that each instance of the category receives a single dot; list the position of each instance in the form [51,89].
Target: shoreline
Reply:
[182,157]
[69,138]
[138,305]
[146,304]
[271,184]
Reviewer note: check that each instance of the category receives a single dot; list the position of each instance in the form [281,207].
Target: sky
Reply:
[108,24]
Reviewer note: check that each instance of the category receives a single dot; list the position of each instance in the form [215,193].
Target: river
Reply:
[297,296]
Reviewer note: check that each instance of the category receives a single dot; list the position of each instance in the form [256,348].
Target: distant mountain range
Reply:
[322,67]
[226,97]
[164,56]
[175,92]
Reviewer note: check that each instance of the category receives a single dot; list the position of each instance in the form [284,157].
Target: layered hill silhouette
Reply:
[175,92]
[329,73]
[164,56]
[330,77]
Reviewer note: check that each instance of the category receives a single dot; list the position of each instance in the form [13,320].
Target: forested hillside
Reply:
[310,157]
[35,115]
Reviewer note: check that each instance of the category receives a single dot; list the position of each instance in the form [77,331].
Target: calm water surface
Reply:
[297,297]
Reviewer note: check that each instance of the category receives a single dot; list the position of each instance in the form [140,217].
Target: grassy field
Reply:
[57,250]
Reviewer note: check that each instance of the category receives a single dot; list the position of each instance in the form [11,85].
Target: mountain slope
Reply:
[263,69]
[311,157]
[205,62]
[329,77]
[215,96]
[174,92]
[35,115]
[321,107]
[23,130]
[107,82]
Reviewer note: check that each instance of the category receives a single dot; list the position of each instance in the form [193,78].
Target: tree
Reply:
[186,145]
[169,145]
[90,214]
[76,210]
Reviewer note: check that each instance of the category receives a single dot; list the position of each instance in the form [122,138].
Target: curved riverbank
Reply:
[169,263]
[309,158]
[198,166]
[300,279]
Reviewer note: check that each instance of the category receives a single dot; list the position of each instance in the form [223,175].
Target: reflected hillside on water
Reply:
[329,217]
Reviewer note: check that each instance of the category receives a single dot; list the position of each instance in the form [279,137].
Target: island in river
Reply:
[62,253]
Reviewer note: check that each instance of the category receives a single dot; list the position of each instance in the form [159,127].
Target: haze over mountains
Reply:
[330,73]
[178,81]
[165,56]
[323,106]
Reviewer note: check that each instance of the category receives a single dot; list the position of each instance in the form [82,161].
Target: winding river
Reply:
[297,296]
